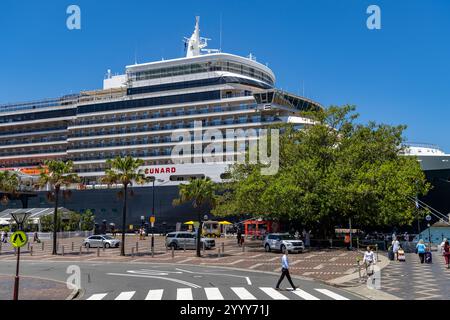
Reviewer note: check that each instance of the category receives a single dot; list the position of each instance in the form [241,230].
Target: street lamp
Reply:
[19,218]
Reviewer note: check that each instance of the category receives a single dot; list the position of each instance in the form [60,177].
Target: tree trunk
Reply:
[55,222]
[124,220]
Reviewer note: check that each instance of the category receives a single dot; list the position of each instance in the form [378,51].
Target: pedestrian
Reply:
[420,250]
[395,247]
[36,237]
[441,246]
[446,253]
[406,236]
[369,259]
[285,272]
[3,236]
[308,239]
[297,235]
[347,241]
[239,236]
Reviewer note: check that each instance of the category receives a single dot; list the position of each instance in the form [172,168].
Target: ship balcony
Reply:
[38,155]
[27,131]
[8,144]
[158,116]
[145,137]
[161,157]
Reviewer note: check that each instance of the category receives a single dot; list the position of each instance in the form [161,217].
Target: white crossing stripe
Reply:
[274,294]
[125,295]
[154,295]
[331,294]
[184,294]
[304,295]
[99,296]
[243,293]
[213,294]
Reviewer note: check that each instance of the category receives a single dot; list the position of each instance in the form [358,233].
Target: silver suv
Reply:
[188,240]
[282,242]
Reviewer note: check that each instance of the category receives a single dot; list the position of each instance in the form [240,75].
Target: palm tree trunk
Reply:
[199,233]
[124,220]
[55,222]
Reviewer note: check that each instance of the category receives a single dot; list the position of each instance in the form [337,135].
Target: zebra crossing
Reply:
[232,293]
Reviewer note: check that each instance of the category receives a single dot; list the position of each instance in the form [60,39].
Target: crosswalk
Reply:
[233,293]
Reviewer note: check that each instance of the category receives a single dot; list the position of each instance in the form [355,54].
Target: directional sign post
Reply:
[152,221]
[18,240]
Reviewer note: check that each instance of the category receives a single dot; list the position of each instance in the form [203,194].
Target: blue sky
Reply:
[397,75]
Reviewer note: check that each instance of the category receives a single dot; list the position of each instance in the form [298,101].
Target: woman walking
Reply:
[446,253]
[421,249]
[395,247]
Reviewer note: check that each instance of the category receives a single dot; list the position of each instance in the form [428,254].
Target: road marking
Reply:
[304,295]
[236,262]
[186,260]
[320,266]
[273,259]
[310,256]
[243,294]
[256,265]
[154,295]
[99,296]
[184,294]
[217,274]
[331,294]
[189,284]
[125,295]
[213,294]
[274,294]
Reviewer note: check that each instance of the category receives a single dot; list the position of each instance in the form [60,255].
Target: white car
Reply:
[282,242]
[101,240]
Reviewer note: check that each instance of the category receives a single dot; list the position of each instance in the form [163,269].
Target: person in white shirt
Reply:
[285,272]
[369,259]
[395,247]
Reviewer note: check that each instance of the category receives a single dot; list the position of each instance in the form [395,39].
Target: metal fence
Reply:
[61,235]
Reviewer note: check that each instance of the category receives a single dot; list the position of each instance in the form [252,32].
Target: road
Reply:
[136,281]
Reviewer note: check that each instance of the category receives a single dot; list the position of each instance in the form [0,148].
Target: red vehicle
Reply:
[259,228]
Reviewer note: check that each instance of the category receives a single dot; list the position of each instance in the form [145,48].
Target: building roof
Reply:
[35,213]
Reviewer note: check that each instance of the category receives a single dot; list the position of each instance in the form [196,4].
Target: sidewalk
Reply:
[324,265]
[34,289]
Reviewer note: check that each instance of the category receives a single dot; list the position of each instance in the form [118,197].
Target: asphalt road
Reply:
[135,281]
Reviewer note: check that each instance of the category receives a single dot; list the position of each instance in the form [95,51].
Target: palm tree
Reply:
[9,183]
[57,174]
[124,171]
[198,192]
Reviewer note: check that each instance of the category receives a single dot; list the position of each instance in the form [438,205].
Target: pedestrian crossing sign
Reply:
[19,239]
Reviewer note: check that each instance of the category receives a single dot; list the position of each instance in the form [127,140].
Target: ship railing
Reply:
[422,145]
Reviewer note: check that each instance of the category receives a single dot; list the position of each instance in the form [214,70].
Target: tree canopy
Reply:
[329,172]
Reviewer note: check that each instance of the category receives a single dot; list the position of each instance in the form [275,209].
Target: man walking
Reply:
[285,272]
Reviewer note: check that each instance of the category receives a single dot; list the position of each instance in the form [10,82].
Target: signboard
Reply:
[152,219]
[19,239]
[131,227]
[346,230]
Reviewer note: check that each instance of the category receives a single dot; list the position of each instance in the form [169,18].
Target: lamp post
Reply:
[19,218]
[152,221]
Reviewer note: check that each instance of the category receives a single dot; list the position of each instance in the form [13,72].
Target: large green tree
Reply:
[199,192]
[57,174]
[330,172]
[125,172]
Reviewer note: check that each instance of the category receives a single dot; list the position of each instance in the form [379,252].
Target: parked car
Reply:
[188,240]
[282,242]
[100,240]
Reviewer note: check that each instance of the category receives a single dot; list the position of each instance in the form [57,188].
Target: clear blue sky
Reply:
[397,75]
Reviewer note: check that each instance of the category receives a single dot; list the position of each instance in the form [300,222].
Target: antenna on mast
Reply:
[220,47]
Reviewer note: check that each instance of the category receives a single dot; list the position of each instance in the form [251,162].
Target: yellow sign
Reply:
[152,219]
[19,239]
[131,227]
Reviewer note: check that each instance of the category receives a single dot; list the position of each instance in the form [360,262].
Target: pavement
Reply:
[32,288]
[322,265]
[142,281]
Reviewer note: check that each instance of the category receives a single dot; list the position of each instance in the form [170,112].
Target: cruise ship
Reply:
[135,114]
[436,165]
